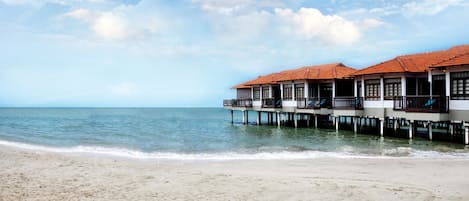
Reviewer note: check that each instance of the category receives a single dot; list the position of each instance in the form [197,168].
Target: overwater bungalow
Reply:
[423,95]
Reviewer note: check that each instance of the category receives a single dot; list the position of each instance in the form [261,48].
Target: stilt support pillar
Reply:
[411,129]
[466,133]
[258,120]
[355,124]
[315,121]
[337,122]
[295,119]
[278,119]
[381,127]
[430,131]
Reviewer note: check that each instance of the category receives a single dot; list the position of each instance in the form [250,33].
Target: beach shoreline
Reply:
[40,175]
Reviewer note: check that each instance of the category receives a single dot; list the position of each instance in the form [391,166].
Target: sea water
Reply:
[194,134]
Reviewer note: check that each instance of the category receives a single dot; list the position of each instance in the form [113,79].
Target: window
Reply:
[359,89]
[257,93]
[372,89]
[344,88]
[411,84]
[392,88]
[265,92]
[287,92]
[313,90]
[299,91]
[460,86]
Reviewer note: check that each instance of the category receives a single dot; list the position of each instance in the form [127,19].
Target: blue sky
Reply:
[151,53]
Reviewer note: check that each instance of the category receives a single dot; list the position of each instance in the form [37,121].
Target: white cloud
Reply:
[111,26]
[429,7]
[370,23]
[386,11]
[82,14]
[41,2]
[242,27]
[225,7]
[116,24]
[231,7]
[410,8]
[248,19]
[21,2]
[310,23]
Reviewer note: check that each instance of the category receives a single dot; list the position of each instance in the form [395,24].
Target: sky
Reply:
[188,53]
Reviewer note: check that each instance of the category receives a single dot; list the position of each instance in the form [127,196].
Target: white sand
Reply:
[27,175]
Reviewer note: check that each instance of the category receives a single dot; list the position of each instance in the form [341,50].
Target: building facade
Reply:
[419,95]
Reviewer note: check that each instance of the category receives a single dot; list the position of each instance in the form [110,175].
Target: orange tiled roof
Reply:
[267,79]
[414,62]
[462,59]
[241,86]
[326,71]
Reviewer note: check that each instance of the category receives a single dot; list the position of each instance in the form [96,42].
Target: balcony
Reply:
[428,104]
[271,103]
[237,103]
[351,103]
[313,103]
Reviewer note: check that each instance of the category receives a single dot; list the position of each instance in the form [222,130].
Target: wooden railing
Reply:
[238,102]
[271,103]
[433,104]
[348,103]
[313,103]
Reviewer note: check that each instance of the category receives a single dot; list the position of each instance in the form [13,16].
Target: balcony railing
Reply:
[434,104]
[238,102]
[313,103]
[348,103]
[271,103]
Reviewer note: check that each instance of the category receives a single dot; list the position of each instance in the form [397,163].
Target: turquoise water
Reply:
[192,133]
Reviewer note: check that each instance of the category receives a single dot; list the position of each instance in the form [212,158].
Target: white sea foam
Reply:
[225,156]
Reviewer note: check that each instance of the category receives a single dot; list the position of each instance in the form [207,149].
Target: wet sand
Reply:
[38,175]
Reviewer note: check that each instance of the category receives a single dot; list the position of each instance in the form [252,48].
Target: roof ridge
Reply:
[450,58]
[423,53]
[401,63]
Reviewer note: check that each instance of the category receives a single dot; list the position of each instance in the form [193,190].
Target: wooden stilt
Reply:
[337,122]
[295,119]
[232,116]
[411,129]
[258,120]
[247,117]
[381,127]
[244,117]
[451,129]
[315,121]
[278,119]
[466,133]
[430,131]
[271,118]
[355,126]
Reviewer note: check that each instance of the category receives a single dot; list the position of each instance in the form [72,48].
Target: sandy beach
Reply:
[37,175]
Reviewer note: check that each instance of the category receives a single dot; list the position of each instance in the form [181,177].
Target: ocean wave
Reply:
[226,156]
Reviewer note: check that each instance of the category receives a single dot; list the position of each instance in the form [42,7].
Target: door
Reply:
[439,85]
